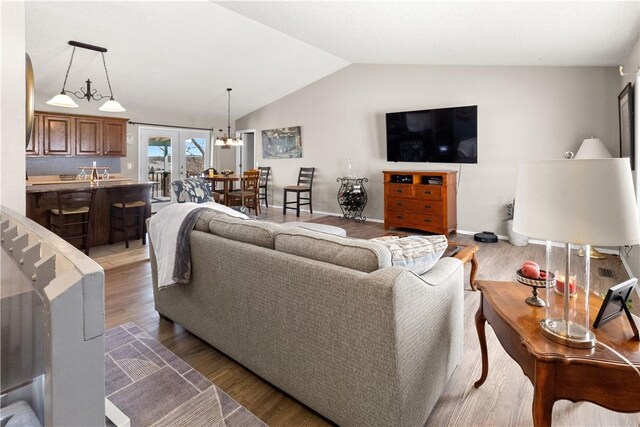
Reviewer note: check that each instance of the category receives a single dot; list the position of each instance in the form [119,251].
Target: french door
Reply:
[167,155]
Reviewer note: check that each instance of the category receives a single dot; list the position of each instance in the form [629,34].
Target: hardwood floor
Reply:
[504,400]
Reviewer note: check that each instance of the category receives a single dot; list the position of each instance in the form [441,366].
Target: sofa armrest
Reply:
[429,332]
[442,271]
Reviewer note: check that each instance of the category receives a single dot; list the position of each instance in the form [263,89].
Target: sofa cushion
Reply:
[357,254]
[202,223]
[416,253]
[191,190]
[255,232]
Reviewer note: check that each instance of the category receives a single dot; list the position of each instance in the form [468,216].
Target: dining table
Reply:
[227,182]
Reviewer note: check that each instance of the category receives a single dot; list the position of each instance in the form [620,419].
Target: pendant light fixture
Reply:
[64,100]
[226,140]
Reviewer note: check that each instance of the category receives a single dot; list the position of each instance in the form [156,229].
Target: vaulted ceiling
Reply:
[174,60]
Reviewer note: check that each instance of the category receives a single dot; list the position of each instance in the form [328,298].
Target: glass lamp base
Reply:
[577,337]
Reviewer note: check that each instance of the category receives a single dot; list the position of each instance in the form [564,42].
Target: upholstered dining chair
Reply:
[248,195]
[264,181]
[129,212]
[71,218]
[305,185]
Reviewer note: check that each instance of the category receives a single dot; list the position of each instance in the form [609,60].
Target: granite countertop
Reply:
[71,185]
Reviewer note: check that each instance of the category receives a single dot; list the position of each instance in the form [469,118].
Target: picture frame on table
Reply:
[615,303]
[625,121]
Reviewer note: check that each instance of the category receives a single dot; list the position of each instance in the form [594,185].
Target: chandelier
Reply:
[226,140]
[64,100]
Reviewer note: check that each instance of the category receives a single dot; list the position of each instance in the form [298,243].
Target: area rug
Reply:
[154,387]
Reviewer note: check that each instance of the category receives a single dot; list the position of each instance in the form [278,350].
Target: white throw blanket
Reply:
[167,233]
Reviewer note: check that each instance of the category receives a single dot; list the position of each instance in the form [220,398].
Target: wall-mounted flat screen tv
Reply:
[443,135]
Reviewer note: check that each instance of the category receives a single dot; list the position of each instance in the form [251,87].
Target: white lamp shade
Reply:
[584,201]
[219,142]
[593,148]
[62,100]
[112,106]
[239,141]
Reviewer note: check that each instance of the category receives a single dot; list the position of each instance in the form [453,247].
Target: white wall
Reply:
[12,117]
[523,113]
[631,64]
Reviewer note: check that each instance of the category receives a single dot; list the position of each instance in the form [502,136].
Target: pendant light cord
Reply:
[106,73]
[64,85]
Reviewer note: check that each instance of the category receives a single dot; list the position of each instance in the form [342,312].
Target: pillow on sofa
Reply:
[259,233]
[358,254]
[191,190]
[416,253]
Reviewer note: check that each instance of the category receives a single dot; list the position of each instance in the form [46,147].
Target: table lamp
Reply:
[579,202]
[593,148]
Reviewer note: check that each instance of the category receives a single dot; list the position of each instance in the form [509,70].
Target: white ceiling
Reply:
[172,61]
[582,33]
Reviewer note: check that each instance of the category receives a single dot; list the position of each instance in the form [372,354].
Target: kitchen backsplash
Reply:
[68,165]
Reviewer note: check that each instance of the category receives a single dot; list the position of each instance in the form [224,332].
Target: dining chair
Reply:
[264,181]
[71,218]
[305,185]
[249,191]
[129,212]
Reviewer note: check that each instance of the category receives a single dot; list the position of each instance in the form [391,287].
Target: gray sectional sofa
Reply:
[324,318]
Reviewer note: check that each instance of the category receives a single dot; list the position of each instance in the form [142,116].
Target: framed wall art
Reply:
[625,116]
[282,143]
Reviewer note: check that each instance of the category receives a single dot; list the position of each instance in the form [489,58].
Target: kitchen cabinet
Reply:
[115,138]
[34,148]
[88,136]
[58,134]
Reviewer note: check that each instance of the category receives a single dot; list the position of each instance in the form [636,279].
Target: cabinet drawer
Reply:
[400,190]
[426,221]
[428,207]
[429,192]
[412,219]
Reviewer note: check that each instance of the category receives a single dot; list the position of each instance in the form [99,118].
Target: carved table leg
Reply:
[472,274]
[480,323]
[543,398]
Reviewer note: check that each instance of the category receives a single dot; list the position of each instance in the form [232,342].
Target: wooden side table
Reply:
[556,371]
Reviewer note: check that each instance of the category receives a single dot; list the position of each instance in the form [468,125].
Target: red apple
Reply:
[543,274]
[530,271]
[535,264]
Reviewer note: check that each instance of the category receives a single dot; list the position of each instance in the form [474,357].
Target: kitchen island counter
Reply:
[41,198]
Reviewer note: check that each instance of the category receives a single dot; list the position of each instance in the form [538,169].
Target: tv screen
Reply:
[443,135]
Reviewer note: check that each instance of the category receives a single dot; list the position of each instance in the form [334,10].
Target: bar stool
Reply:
[264,180]
[305,184]
[71,218]
[129,212]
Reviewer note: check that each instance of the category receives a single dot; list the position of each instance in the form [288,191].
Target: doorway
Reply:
[246,156]
[167,155]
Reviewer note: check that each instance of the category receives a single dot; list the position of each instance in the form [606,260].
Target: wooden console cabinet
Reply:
[421,200]
[56,134]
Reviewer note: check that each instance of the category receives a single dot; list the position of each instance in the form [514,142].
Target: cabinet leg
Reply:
[482,338]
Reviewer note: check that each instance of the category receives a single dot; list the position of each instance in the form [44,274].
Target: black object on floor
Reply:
[485,237]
